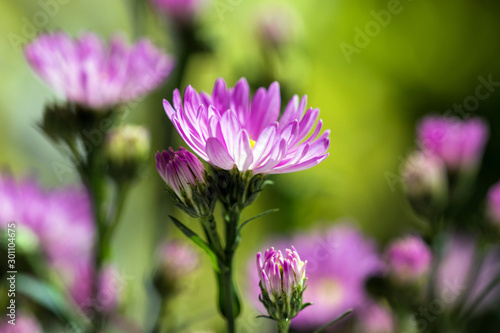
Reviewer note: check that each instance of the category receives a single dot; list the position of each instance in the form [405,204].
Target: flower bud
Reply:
[376,318]
[126,150]
[185,177]
[493,205]
[425,183]
[176,260]
[282,283]
[408,259]
[276,26]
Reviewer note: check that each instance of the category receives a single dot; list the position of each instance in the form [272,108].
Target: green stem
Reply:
[228,295]
[213,239]
[283,326]
[228,298]
[109,230]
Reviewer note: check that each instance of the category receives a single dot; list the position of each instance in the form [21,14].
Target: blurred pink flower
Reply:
[458,143]
[408,259]
[99,76]
[229,129]
[23,324]
[62,221]
[339,261]
[465,273]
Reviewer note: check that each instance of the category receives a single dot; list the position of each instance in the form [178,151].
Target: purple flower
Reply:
[493,209]
[408,259]
[180,10]
[229,129]
[98,76]
[464,274]
[23,324]
[52,216]
[339,261]
[459,144]
[180,170]
[375,318]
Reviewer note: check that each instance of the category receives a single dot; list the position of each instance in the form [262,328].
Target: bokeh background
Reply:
[425,60]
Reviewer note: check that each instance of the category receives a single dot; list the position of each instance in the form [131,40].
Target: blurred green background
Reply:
[425,60]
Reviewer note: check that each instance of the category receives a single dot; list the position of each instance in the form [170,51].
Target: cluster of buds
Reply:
[441,173]
[126,151]
[282,283]
[187,181]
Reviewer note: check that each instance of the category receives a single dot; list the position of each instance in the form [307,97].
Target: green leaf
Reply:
[305,305]
[264,316]
[50,298]
[274,210]
[334,321]
[197,240]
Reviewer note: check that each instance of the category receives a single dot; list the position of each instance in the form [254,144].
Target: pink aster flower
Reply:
[459,144]
[180,10]
[339,261]
[229,129]
[408,259]
[99,76]
[493,209]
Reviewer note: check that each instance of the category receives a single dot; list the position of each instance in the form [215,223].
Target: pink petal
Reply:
[218,155]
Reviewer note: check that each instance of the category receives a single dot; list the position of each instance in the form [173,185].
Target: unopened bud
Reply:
[126,150]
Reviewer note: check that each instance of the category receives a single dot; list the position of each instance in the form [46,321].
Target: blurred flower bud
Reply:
[493,205]
[126,150]
[276,26]
[425,183]
[459,144]
[375,318]
[408,259]
[181,11]
[185,177]
[282,283]
[176,260]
